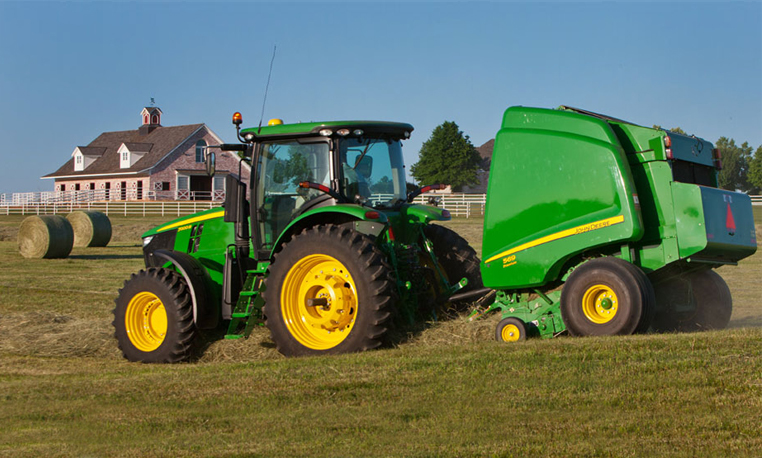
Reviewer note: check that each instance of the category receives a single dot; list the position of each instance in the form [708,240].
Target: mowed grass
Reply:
[449,391]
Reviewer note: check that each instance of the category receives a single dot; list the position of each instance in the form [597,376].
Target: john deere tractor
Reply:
[323,245]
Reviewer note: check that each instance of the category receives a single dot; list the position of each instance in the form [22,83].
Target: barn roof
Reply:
[157,144]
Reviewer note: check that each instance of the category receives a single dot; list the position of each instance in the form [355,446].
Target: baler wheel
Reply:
[511,330]
[153,317]
[706,290]
[605,296]
[329,290]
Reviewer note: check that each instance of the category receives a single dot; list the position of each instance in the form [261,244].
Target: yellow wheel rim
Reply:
[146,321]
[600,304]
[319,301]
[510,333]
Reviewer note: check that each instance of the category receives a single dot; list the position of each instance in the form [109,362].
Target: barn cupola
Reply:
[151,120]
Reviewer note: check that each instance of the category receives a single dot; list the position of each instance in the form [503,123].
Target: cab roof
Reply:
[394,129]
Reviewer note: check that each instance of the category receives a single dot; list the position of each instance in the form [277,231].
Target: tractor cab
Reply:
[301,167]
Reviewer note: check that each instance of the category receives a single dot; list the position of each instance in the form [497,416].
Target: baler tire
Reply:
[360,297]
[603,297]
[714,302]
[153,317]
[649,299]
[710,294]
[511,330]
[456,256]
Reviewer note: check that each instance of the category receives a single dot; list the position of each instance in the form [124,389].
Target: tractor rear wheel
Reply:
[605,296]
[153,317]
[705,292]
[329,290]
[455,255]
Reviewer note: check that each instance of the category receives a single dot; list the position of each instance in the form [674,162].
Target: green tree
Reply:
[735,164]
[755,172]
[676,130]
[447,157]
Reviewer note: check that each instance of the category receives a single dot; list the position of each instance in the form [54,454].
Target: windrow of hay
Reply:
[51,334]
[456,331]
[47,236]
[258,347]
[91,228]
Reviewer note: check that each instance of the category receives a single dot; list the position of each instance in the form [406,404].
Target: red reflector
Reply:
[391,234]
[425,189]
[446,213]
[372,215]
[324,188]
[730,222]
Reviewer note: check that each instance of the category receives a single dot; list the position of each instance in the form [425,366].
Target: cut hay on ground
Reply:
[91,228]
[51,334]
[48,236]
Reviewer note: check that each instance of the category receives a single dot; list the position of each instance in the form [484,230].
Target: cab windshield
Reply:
[372,171]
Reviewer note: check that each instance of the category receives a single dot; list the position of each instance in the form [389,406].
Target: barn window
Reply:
[200,145]
[182,183]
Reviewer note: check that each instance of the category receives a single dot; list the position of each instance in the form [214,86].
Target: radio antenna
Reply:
[264,101]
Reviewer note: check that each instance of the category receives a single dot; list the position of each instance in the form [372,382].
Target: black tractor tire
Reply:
[328,291]
[709,294]
[604,297]
[456,256]
[649,299]
[153,317]
[511,330]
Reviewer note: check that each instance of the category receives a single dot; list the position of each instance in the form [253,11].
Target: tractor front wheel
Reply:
[606,296]
[329,290]
[153,317]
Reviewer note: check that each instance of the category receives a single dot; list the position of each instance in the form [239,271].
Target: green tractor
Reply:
[598,226]
[323,245]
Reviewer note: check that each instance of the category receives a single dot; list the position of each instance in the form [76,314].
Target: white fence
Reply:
[461,205]
[106,195]
[123,208]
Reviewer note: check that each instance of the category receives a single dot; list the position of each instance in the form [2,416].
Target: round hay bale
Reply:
[49,236]
[91,228]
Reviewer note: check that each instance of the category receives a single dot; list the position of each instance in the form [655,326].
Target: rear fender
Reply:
[206,310]
[335,214]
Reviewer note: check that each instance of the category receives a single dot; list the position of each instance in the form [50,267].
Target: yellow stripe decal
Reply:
[218,214]
[559,235]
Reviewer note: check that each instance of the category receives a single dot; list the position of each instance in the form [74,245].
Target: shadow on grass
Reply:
[102,257]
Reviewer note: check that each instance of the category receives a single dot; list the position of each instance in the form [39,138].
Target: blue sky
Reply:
[71,70]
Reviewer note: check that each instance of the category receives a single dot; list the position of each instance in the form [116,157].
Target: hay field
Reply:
[449,390]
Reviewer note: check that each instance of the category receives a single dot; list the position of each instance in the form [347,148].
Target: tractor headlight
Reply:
[147,240]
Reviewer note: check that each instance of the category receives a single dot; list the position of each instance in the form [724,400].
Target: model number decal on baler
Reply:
[511,260]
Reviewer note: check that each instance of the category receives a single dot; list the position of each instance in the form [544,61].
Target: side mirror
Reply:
[364,165]
[211,163]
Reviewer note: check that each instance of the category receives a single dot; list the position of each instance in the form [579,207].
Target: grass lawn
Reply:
[448,391]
